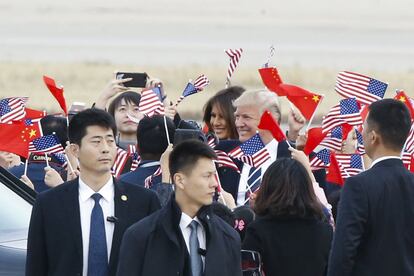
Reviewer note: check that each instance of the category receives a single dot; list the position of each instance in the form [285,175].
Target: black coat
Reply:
[55,235]
[375,223]
[155,246]
[290,246]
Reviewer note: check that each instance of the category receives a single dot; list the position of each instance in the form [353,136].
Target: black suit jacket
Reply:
[375,223]
[230,178]
[55,235]
[155,246]
[290,245]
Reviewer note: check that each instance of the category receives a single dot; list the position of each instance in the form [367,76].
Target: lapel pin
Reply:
[124,198]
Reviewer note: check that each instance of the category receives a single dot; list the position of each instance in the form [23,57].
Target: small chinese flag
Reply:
[404,99]
[272,81]
[57,92]
[267,122]
[315,136]
[32,113]
[16,137]
[334,172]
[305,101]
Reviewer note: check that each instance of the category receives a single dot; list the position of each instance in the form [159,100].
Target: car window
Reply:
[14,211]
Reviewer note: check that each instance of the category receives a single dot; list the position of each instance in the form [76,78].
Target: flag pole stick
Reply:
[313,115]
[47,161]
[26,163]
[166,130]
[69,164]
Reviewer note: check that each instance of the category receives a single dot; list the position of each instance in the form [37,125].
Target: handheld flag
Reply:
[267,122]
[57,92]
[12,109]
[272,80]
[199,84]
[307,102]
[347,111]
[315,136]
[234,56]
[334,172]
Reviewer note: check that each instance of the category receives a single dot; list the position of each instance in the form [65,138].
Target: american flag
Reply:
[46,144]
[406,159]
[223,160]
[409,143]
[235,56]
[12,109]
[201,82]
[253,152]
[211,142]
[347,111]
[150,179]
[366,90]
[136,159]
[360,143]
[321,160]
[352,164]
[150,103]
[120,161]
[334,139]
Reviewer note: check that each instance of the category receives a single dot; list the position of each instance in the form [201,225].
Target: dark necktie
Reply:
[98,254]
[195,257]
[253,181]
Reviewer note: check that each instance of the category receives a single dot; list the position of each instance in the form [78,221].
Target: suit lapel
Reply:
[121,213]
[70,201]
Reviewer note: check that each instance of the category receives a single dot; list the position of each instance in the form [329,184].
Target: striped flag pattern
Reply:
[12,109]
[120,160]
[150,103]
[347,111]
[366,90]
[409,143]
[46,144]
[136,159]
[334,139]
[352,164]
[234,56]
[193,88]
[223,160]
[252,152]
[321,160]
[360,144]
[150,179]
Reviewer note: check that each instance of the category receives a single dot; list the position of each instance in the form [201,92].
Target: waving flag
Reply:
[267,122]
[120,161]
[12,109]
[364,89]
[16,137]
[321,160]
[402,97]
[32,113]
[272,81]
[223,160]
[253,152]
[57,92]
[150,179]
[46,144]
[150,104]
[234,56]
[315,136]
[307,102]
[199,84]
[336,136]
[335,172]
[347,111]
[409,143]
[352,164]
[360,145]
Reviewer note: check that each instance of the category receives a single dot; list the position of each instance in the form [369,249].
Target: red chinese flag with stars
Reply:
[315,137]
[16,137]
[272,81]
[334,172]
[57,92]
[404,99]
[305,101]
[267,122]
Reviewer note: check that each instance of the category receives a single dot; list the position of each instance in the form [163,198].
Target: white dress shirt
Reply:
[186,231]
[384,158]
[86,204]
[271,148]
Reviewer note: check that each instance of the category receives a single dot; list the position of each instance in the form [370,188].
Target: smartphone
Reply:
[187,134]
[138,79]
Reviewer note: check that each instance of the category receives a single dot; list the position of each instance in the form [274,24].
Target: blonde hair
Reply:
[263,99]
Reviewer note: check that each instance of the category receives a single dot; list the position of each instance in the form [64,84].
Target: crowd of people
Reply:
[153,194]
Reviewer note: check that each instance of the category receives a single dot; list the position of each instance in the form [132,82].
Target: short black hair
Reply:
[151,135]
[392,120]
[89,117]
[129,97]
[185,155]
[52,124]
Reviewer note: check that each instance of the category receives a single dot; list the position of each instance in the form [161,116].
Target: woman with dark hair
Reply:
[291,232]
[219,113]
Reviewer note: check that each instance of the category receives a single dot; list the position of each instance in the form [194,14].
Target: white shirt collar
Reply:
[186,220]
[107,190]
[384,158]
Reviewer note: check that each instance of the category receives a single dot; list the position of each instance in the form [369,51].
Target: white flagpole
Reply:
[166,130]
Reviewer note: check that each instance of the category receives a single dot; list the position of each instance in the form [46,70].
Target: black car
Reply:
[16,200]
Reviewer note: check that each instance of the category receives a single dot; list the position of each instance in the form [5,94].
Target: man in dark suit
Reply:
[152,142]
[375,220]
[184,237]
[76,228]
